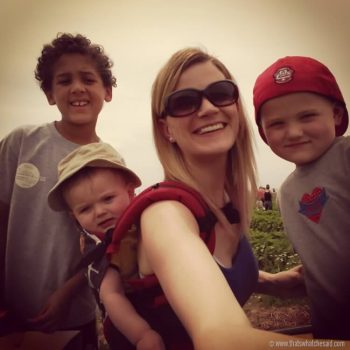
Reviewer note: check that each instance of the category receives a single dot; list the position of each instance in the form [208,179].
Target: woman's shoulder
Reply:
[161,212]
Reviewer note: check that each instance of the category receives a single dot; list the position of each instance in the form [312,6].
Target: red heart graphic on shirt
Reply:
[311,205]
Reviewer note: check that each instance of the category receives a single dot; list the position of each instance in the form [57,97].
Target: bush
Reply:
[271,246]
[273,251]
[267,221]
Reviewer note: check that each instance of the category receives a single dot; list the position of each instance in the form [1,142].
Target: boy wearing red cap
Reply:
[301,114]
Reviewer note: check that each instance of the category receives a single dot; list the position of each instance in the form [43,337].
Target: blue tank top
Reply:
[242,277]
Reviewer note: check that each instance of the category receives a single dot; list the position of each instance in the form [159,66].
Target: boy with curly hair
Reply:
[38,249]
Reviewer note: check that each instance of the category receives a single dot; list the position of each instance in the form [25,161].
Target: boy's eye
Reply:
[63,82]
[84,210]
[88,78]
[89,81]
[108,198]
[308,116]
[275,124]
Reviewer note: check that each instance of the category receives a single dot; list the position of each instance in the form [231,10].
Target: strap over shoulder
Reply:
[167,190]
[147,291]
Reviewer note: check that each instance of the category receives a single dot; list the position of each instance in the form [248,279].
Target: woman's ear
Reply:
[163,125]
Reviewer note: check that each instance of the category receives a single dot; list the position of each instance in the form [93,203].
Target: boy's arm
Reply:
[124,316]
[4,212]
[49,317]
[284,284]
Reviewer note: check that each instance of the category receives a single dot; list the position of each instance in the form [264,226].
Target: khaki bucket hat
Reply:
[97,155]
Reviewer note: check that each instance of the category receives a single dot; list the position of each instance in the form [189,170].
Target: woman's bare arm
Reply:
[195,286]
[190,278]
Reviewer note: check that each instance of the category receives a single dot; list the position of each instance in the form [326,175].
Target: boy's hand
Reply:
[290,283]
[150,340]
[284,284]
[50,316]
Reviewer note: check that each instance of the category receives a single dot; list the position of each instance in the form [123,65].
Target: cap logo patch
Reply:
[283,75]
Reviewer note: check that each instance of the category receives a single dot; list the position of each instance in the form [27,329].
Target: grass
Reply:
[274,253]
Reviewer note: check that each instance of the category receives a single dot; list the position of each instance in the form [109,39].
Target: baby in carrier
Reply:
[95,186]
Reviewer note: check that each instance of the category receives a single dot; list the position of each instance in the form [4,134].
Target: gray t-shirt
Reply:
[42,245]
[315,206]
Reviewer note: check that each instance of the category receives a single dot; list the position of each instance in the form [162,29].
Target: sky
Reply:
[140,35]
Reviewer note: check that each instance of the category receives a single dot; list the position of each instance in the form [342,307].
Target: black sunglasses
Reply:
[181,103]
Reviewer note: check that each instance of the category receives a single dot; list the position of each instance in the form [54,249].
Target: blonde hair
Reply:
[240,179]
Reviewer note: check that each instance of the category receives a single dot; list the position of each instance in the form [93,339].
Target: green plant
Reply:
[271,246]
[267,221]
[273,252]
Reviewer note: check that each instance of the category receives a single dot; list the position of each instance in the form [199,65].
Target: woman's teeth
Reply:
[210,128]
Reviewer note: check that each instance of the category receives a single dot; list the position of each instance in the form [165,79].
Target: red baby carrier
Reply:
[146,294]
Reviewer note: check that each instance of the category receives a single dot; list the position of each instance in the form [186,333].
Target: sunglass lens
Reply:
[222,93]
[183,103]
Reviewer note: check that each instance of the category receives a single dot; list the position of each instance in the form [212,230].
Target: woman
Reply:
[203,141]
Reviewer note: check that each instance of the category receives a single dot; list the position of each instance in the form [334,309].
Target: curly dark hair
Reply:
[66,43]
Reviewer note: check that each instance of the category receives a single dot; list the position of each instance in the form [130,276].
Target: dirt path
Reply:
[276,316]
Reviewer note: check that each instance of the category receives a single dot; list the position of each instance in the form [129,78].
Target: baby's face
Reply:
[97,201]
[300,127]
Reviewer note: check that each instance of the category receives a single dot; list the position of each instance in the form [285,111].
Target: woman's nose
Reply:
[206,108]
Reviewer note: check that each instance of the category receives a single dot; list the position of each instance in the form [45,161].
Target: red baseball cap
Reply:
[297,74]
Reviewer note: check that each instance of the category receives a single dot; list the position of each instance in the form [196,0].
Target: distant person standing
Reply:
[267,198]
[259,205]
[274,199]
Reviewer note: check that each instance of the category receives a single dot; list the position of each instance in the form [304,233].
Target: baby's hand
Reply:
[82,244]
[150,340]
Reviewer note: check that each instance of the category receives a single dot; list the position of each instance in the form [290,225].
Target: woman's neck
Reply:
[210,175]
[80,134]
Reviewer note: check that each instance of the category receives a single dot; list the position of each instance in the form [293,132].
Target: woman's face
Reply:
[209,131]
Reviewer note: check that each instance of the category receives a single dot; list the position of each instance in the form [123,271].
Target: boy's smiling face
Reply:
[300,127]
[77,90]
